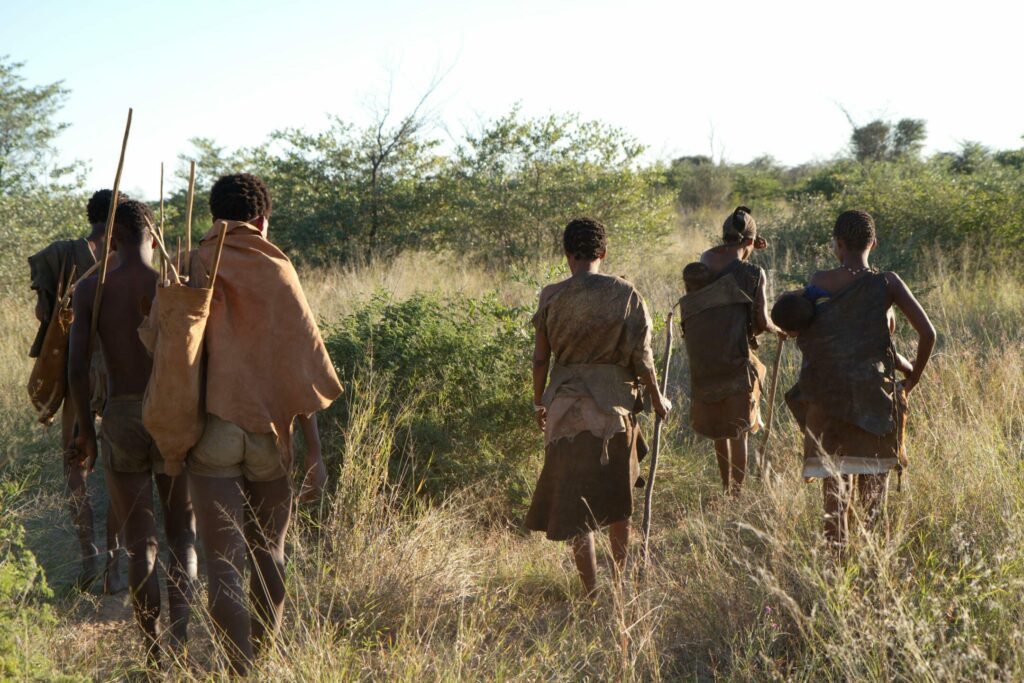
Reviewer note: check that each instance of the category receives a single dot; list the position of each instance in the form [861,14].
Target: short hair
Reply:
[739,226]
[856,229]
[695,276]
[585,238]
[99,205]
[793,312]
[130,222]
[240,197]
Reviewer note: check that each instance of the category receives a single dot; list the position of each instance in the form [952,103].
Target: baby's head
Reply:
[695,276]
[793,312]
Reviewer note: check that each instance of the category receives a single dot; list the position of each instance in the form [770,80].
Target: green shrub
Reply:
[463,367]
[24,614]
[918,207]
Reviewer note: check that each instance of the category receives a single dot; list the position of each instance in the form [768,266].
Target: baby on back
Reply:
[794,311]
[696,276]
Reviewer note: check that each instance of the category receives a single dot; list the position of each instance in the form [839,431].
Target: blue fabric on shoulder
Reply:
[813,293]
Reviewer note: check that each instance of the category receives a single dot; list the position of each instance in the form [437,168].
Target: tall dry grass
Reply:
[381,587]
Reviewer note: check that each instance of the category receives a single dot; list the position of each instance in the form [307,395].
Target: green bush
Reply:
[30,221]
[24,613]
[462,366]
[918,207]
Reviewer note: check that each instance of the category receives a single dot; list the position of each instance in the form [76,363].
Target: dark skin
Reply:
[838,494]
[732,453]
[242,520]
[128,368]
[76,478]
[583,548]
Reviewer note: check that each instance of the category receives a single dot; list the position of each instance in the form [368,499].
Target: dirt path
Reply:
[88,620]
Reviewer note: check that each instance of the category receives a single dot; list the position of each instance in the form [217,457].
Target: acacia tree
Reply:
[28,129]
[881,140]
[511,188]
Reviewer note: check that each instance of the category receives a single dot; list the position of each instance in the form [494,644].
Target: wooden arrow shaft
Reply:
[108,235]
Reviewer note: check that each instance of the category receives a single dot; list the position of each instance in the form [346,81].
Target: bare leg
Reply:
[837,507]
[220,515]
[132,496]
[77,494]
[871,491]
[585,554]
[180,527]
[724,464]
[619,534]
[738,463]
[113,582]
[271,503]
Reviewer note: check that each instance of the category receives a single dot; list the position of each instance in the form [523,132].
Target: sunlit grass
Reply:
[381,587]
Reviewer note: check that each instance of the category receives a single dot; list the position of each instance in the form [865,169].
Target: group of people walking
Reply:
[849,402]
[265,369]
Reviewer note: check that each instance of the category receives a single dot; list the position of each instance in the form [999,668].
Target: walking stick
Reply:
[771,406]
[188,216]
[107,237]
[656,443]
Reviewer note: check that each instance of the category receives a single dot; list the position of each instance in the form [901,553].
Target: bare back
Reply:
[126,294]
[718,258]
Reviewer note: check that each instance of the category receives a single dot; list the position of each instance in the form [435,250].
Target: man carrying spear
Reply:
[52,270]
[132,459]
[266,365]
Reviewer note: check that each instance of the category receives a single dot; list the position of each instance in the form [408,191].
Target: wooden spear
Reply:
[216,259]
[163,252]
[656,443]
[771,407]
[98,301]
[188,214]
[163,261]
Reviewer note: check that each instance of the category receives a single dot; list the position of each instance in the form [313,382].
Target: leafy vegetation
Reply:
[459,364]
[409,568]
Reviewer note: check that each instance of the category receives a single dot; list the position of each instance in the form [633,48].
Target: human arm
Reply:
[541,365]
[83,449]
[42,307]
[661,404]
[315,477]
[762,320]
[903,365]
[643,362]
[904,300]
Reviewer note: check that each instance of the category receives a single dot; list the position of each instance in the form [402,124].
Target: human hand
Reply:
[314,480]
[82,452]
[540,413]
[662,405]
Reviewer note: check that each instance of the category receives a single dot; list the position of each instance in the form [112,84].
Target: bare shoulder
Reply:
[894,281]
[821,279]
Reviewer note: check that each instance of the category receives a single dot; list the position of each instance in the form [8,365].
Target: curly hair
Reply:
[130,221]
[793,312]
[99,205]
[240,197]
[856,229]
[585,238]
[739,226]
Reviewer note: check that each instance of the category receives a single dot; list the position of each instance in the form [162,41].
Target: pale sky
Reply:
[762,77]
